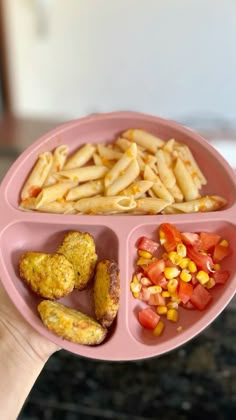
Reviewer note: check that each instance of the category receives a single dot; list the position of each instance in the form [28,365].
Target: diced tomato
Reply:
[220,252]
[171,236]
[221,276]
[200,297]
[145,294]
[185,291]
[189,238]
[148,318]
[156,299]
[161,281]
[188,305]
[209,240]
[203,261]
[148,245]
[154,269]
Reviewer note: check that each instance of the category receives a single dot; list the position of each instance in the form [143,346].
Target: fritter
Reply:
[80,249]
[70,324]
[106,291]
[49,275]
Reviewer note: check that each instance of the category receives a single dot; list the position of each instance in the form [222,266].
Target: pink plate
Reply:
[115,236]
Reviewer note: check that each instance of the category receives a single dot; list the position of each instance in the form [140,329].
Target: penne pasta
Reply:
[124,180]
[86,173]
[166,174]
[150,205]
[59,158]
[203,204]
[97,159]
[176,193]
[142,138]
[185,181]
[88,189]
[185,154]
[129,155]
[123,144]
[58,207]
[158,187]
[105,205]
[53,193]
[108,154]
[137,189]
[37,176]
[80,157]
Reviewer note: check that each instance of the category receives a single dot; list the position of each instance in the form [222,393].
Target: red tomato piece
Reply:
[145,294]
[203,261]
[156,299]
[171,236]
[185,291]
[209,240]
[188,305]
[220,252]
[154,269]
[148,245]
[200,297]
[189,238]
[161,281]
[221,276]
[148,318]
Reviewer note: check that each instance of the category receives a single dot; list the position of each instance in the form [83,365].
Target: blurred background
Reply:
[61,60]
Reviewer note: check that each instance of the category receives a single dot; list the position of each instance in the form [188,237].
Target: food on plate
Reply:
[178,269]
[106,291]
[80,250]
[138,173]
[71,324]
[49,275]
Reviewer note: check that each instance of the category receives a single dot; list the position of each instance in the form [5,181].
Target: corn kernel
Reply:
[224,242]
[161,234]
[216,267]
[181,250]
[161,310]
[184,263]
[172,315]
[174,298]
[165,294]
[172,305]
[145,281]
[159,329]
[144,254]
[174,257]
[211,283]
[172,286]
[136,295]
[143,261]
[171,272]
[185,276]
[135,279]
[155,289]
[202,277]
[135,287]
[192,267]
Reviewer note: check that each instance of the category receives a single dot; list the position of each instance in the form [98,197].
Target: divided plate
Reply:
[115,236]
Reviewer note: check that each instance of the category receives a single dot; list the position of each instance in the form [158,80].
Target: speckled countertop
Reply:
[196,380]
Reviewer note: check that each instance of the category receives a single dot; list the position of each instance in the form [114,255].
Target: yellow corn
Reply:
[144,254]
[224,242]
[172,305]
[171,272]
[185,276]
[161,310]
[145,281]
[135,287]
[172,286]
[165,294]
[216,267]
[174,257]
[155,289]
[172,315]
[136,295]
[143,261]
[135,279]
[159,329]
[211,283]
[181,250]
[184,262]
[192,267]
[202,277]
[174,298]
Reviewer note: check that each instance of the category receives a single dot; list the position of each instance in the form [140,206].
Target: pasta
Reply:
[138,173]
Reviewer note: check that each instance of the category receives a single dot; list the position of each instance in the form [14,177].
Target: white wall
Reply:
[168,57]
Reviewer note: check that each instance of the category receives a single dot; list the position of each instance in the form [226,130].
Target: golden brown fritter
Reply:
[79,248]
[70,324]
[49,275]
[106,291]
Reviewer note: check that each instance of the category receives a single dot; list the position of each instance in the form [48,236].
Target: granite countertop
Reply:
[198,379]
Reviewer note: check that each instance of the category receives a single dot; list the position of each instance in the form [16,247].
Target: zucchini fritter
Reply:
[71,324]
[79,248]
[106,291]
[49,275]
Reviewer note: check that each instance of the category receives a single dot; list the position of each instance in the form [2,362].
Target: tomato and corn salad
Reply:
[179,269]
